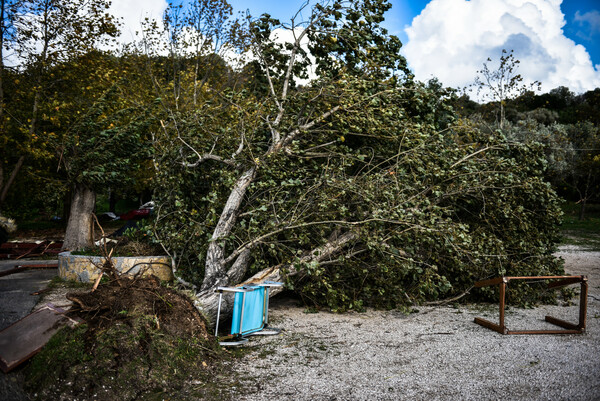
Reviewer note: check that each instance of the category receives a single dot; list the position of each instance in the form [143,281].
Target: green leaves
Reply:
[432,203]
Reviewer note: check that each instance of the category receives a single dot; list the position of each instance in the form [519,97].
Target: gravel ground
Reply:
[435,354]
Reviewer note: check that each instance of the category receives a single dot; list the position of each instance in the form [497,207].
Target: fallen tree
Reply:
[360,186]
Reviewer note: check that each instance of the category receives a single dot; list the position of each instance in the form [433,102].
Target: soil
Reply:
[126,299]
[139,340]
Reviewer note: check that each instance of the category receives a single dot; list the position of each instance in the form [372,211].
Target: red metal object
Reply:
[561,281]
[21,268]
[18,250]
[135,214]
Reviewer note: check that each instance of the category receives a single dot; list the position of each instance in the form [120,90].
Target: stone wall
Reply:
[84,268]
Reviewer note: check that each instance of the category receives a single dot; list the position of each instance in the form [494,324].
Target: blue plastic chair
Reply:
[250,311]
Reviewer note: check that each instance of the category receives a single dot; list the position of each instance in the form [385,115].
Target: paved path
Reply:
[16,300]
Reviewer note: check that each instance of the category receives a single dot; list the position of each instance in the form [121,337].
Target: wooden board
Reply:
[25,338]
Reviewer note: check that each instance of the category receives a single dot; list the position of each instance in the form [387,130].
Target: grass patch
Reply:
[58,282]
[124,362]
[582,233]
[140,341]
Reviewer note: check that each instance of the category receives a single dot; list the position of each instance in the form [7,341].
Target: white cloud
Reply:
[451,39]
[133,12]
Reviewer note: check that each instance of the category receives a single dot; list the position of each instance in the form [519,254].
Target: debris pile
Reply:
[139,338]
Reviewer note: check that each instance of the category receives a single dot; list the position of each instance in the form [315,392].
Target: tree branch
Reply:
[256,241]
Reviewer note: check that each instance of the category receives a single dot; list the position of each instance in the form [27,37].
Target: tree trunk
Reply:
[215,273]
[67,198]
[11,179]
[79,228]
[582,209]
[207,301]
[112,201]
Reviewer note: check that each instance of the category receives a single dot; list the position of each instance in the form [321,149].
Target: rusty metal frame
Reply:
[569,328]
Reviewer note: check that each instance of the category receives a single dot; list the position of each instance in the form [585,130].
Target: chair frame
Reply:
[562,281]
[240,337]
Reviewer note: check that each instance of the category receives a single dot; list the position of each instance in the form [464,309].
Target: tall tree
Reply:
[47,32]
[101,148]
[8,10]
[504,83]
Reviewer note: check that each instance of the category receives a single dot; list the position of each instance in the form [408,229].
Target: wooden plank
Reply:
[25,338]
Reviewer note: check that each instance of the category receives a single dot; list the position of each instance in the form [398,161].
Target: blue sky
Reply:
[557,42]
[579,30]
[548,50]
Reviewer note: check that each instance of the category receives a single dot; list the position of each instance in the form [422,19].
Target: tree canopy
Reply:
[319,161]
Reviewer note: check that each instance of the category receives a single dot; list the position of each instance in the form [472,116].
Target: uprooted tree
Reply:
[359,186]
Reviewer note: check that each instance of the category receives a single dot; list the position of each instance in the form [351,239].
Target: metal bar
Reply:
[232,289]
[544,332]
[570,328]
[562,323]
[489,282]
[218,313]
[583,295]
[489,325]
[564,282]
[242,314]
[538,277]
[266,307]
[502,304]
[22,268]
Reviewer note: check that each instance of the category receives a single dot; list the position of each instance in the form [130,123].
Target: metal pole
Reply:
[218,314]
[583,303]
[502,295]
[266,306]
[242,314]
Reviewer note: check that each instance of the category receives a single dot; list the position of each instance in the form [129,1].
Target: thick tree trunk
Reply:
[112,201]
[216,272]
[207,301]
[585,196]
[79,228]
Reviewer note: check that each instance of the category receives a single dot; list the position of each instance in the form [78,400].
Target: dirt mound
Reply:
[128,299]
[140,340]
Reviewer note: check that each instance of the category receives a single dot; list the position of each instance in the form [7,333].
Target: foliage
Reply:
[103,145]
[361,185]
[424,202]
[43,34]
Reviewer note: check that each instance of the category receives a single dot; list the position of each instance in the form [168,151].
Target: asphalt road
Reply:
[16,299]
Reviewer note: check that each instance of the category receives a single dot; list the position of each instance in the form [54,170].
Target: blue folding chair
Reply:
[250,312]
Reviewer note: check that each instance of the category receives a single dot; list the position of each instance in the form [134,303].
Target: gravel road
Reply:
[435,354]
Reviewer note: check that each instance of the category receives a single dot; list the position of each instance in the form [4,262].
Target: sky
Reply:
[557,42]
